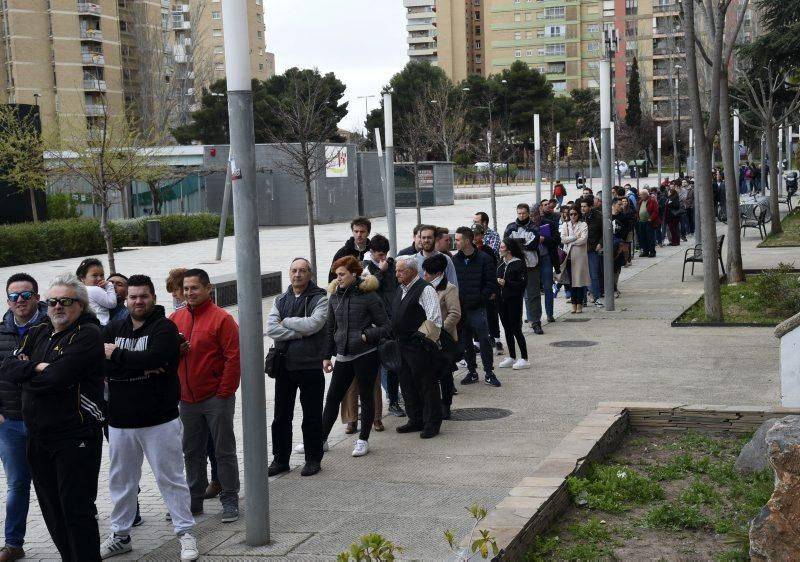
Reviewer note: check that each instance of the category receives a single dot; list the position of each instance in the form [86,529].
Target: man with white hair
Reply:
[416,322]
[59,366]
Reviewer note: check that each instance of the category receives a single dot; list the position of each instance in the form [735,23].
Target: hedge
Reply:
[60,239]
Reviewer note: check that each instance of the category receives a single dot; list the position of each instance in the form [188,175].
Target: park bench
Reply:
[755,215]
[695,255]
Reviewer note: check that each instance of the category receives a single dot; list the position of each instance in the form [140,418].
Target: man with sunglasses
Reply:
[60,368]
[24,311]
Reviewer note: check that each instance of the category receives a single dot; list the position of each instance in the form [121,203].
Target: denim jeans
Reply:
[13,436]
[473,323]
[647,238]
[595,273]
[546,265]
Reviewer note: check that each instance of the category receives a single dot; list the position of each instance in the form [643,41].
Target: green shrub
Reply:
[59,239]
[779,288]
[61,206]
[613,488]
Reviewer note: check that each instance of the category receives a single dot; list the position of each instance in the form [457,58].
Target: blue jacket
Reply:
[477,279]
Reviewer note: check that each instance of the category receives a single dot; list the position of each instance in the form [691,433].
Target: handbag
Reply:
[273,362]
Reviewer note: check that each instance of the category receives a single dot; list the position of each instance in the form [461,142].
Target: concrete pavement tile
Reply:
[281,544]
[533,491]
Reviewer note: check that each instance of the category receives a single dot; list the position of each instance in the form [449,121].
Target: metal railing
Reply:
[89,8]
[93,34]
[93,58]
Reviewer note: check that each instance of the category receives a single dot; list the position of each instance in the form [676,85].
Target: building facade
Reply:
[80,61]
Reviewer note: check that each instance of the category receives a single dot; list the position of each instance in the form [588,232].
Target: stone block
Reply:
[753,456]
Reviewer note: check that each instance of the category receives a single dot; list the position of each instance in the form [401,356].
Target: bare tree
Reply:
[21,149]
[491,147]
[107,161]
[765,95]
[447,117]
[306,124]
[416,135]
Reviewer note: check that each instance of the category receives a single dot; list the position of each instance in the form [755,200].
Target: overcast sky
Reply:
[362,41]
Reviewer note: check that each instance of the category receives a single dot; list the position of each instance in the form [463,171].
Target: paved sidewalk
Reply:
[411,490]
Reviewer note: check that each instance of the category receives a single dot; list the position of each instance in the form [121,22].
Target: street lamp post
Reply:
[391,219]
[537,145]
[736,153]
[678,104]
[658,148]
[558,159]
[366,112]
[610,43]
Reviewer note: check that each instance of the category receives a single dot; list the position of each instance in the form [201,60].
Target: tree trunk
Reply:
[734,257]
[493,194]
[312,240]
[34,211]
[156,196]
[105,229]
[416,191]
[771,131]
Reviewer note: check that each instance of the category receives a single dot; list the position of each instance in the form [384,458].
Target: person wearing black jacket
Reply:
[511,276]
[142,354]
[24,311]
[356,246]
[476,285]
[594,246]
[526,231]
[60,368]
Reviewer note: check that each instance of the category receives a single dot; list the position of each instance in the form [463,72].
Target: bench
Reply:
[695,255]
[755,215]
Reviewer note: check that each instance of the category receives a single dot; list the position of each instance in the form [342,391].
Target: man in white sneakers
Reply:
[142,367]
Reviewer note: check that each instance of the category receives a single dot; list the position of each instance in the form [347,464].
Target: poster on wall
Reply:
[335,161]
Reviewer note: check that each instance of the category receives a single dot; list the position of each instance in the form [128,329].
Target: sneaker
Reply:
[498,348]
[276,468]
[462,364]
[520,364]
[9,553]
[551,319]
[491,380]
[506,363]
[230,513]
[598,302]
[115,545]
[361,448]
[301,448]
[212,490]
[396,410]
[189,547]
[137,521]
[310,468]
[472,377]
[537,328]
[168,516]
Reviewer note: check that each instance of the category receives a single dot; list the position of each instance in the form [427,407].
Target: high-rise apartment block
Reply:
[82,60]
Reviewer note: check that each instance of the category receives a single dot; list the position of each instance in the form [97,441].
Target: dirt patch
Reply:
[660,497]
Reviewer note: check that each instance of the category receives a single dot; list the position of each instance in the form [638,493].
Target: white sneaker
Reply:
[505,363]
[114,546]
[520,364]
[462,364]
[301,448]
[361,448]
[189,547]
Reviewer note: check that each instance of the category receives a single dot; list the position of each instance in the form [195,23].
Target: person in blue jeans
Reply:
[24,311]
[594,246]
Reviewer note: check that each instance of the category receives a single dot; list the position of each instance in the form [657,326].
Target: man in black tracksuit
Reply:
[60,368]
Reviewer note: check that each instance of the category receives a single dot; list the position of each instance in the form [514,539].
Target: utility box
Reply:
[436,184]
[154,232]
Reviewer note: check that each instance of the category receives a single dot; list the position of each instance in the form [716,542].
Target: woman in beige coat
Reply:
[574,234]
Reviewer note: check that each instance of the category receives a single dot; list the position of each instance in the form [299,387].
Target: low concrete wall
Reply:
[788,332]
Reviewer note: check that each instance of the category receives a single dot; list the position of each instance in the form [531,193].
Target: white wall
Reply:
[790,369]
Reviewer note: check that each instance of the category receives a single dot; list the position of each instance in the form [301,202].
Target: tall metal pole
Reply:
[789,138]
[558,158]
[391,219]
[537,144]
[591,165]
[658,148]
[614,155]
[605,166]
[736,149]
[223,217]
[780,162]
[248,270]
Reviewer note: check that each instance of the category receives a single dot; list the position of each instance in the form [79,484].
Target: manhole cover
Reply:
[479,414]
[574,343]
[576,319]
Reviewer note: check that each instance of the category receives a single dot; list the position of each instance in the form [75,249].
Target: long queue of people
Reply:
[99,356]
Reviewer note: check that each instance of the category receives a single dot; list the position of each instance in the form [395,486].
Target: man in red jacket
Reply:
[209,375]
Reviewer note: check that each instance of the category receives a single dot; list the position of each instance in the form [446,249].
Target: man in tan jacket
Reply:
[434,273]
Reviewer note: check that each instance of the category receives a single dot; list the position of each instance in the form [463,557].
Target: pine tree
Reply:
[633,115]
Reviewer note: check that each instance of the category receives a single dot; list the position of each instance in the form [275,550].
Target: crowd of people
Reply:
[99,356]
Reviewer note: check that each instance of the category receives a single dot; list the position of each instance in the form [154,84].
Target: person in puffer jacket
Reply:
[356,320]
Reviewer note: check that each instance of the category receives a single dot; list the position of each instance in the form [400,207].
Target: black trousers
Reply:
[511,316]
[492,318]
[311,383]
[65,472]
[364,370]
[419,381]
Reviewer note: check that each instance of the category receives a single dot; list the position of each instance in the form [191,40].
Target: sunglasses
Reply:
[573,214]
[63,301]
[24,295]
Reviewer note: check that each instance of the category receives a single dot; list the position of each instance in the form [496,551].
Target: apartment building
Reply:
[81,60]
[421,24]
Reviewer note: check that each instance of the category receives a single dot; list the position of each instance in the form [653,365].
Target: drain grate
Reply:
[479,414]
[574,343]
[576,319]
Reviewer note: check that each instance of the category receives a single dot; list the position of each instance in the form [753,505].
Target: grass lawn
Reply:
[790,235]
[754,302]
[660,497]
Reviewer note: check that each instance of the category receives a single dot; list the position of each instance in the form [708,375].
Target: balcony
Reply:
[668,51]
[657,31]
[89,9]
[93,58]
[178,25]
[95,110]
[92,34]
[94,85]
[666,8]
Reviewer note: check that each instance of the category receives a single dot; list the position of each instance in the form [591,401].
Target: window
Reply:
[529,35]
[477,30]
[593,28]
[555,30]
[631,7]
[516,1]
[216,15]
[517,35]
[258,2]
[215,1]
[260,66]
[258,33]
[555,13]
[529,52]
[517,53]
[528,16]
[218,50]
[261,52]
[517,17]
[219,66]
[477,59]
[478,45]
[559,86]
[123,25]
[477,15]
[553,49]
[592,46]
[217,33]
